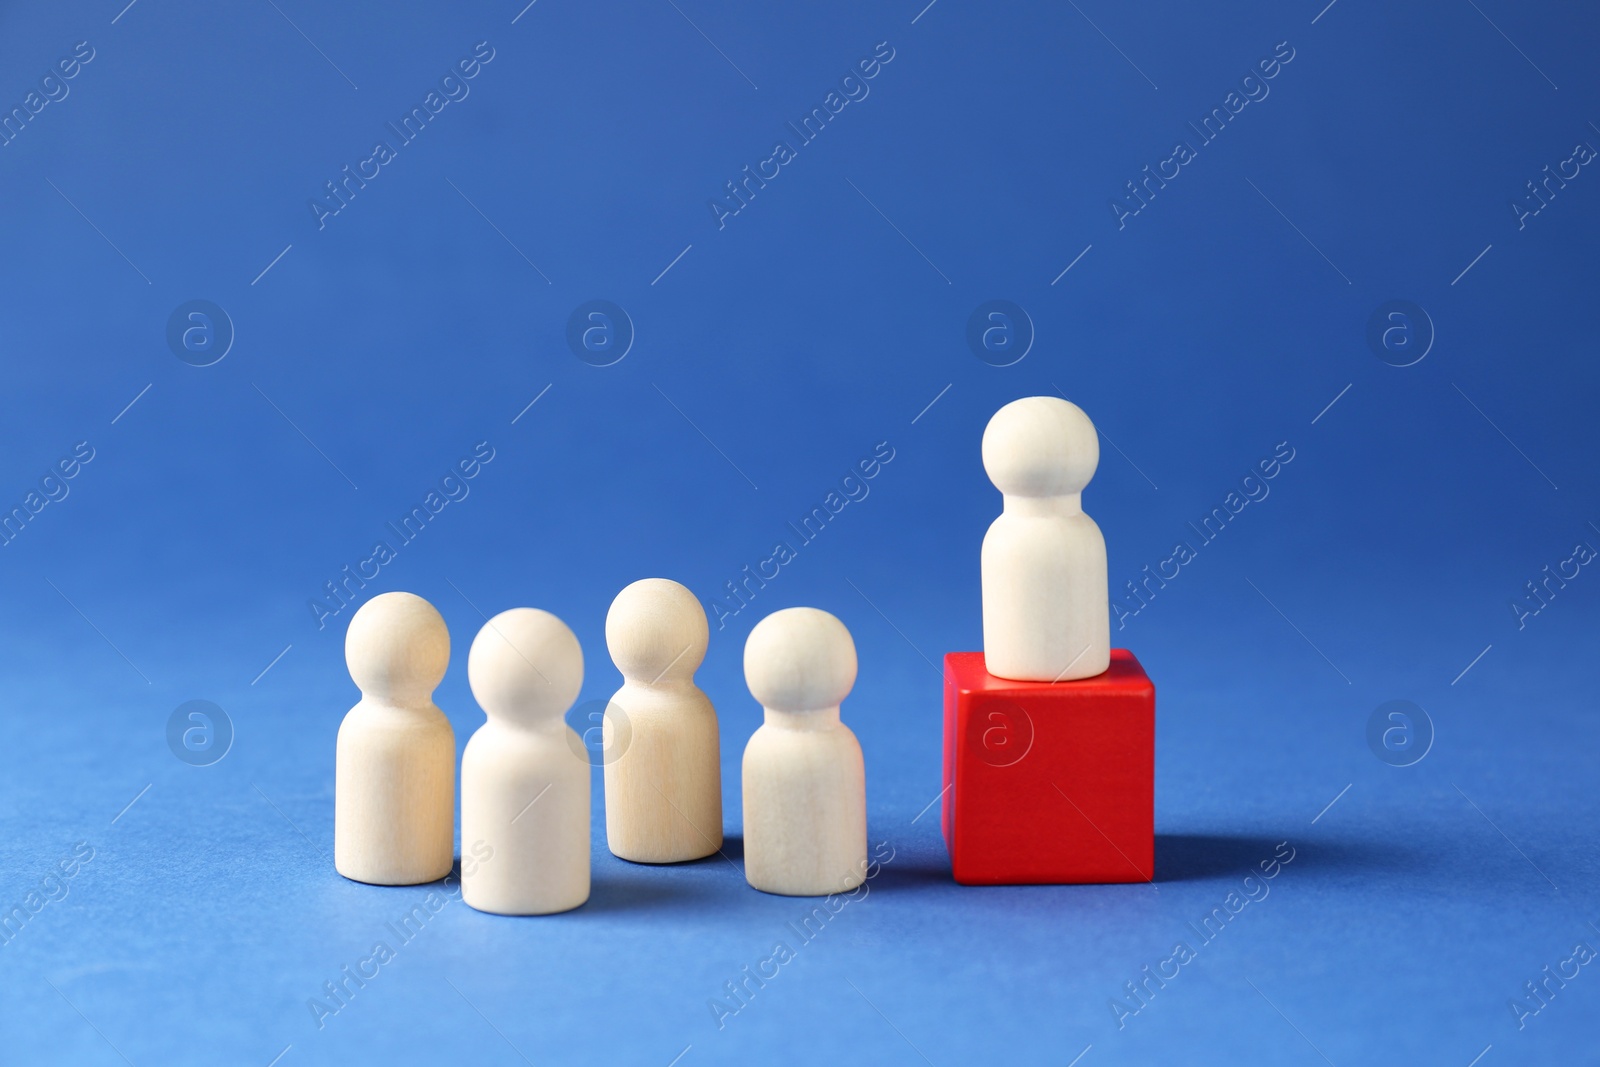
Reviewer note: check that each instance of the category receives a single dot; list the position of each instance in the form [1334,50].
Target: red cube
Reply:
[1049,783]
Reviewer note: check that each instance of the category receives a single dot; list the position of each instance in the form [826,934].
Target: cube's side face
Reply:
[1052,784]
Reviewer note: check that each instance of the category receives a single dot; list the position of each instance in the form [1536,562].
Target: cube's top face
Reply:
[965,671]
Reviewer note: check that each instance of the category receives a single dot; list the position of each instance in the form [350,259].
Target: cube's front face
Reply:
[1049,783]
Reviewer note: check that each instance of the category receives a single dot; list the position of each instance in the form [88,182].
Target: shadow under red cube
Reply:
[1049,782]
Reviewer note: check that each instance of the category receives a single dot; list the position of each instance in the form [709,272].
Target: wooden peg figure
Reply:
[395,766]
[663,767]
[524,784]
[805,791]
[1045,613]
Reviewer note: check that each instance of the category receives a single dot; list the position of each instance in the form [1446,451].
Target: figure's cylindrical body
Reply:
[525,796]
[664,788]
[394,795]
[805,809]
[1045,615]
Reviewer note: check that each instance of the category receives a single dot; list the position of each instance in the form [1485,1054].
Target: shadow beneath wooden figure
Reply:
[608,893]
[910,869]
[732,847]
[625,885]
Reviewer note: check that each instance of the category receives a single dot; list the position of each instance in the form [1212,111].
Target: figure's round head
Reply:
[525,666]
[799,659]
[397,648]
[1040,446]
[656,631]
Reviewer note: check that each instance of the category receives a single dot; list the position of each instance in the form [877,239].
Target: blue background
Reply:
[373,353]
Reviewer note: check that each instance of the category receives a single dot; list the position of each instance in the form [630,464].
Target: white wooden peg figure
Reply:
[395,768]
[663,766]
[524,786]
[1045,612]
[805,789]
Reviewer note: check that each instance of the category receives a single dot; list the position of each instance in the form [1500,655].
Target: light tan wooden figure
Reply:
[524,786]
[395,767]
[805,792]
[663,765]
[1045,614]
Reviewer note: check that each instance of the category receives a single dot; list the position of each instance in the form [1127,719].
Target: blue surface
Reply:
[1380,163]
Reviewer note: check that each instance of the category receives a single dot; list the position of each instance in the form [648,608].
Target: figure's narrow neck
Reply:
[668,683]
[544,726]
[820,719]
[409,704]
[1028,506]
